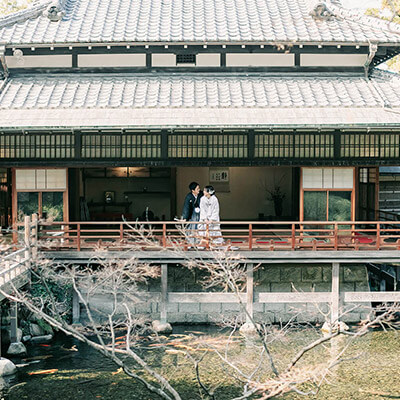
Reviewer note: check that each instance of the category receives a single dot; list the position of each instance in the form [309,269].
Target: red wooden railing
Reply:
[254,235]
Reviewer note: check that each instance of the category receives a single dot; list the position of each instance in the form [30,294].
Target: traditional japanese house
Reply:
[111,108]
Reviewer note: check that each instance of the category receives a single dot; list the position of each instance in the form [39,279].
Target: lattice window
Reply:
[207,146]
[121,146]
[371,145]
[37,146]
[186,59]
[294,145]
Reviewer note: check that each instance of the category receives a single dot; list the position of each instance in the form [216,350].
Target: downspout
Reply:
[373,48]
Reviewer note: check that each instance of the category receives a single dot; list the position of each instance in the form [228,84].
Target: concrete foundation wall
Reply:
[267,278]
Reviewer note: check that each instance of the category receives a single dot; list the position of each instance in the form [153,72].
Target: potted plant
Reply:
[276,196]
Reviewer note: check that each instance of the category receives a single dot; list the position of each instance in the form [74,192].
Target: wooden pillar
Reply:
[76,310]
[396,283]
[335,299]
[13,322]
[164,293]
[250,292]
[27,240]
[34,237]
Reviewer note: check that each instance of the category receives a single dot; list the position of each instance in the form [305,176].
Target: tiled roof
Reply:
[198,99]
[197,90]
[268,21]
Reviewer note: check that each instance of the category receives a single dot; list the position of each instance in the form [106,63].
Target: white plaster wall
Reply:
[332,60]
[163,60]
[56,61]
[112,60]
[259,60]
[247,196]
[208,60]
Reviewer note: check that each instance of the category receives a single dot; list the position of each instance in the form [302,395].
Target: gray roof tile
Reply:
[188,21]
[61,91]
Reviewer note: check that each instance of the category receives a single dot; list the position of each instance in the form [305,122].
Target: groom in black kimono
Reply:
[191,209]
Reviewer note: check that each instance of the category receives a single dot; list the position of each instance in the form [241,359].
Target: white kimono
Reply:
[209,210]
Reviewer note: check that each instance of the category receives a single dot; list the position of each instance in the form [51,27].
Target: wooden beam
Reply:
[164,293]
[249,292]
[335,294]
[369,297]
[295,297]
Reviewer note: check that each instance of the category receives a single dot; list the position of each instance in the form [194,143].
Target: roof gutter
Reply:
[373,48]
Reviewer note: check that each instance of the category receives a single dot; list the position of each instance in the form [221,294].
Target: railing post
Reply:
[34,236]
[335,299]
[250,236]
[164,235]
[378,236]
[164,293]
[207,235]
[78,236]
[293,236]
[121,232]
[335,237]
[249,292]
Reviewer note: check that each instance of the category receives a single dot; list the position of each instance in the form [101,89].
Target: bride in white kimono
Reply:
[209,212]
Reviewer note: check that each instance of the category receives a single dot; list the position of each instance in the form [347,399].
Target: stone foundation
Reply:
[267,279]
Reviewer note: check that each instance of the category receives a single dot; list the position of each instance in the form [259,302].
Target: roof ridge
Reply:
[358,18]
[32,11]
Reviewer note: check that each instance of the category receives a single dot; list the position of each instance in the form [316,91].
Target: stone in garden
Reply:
[161,327]
[7,367]
[42,339]
[16,349]
[36,330]
[248,329]
[26,338]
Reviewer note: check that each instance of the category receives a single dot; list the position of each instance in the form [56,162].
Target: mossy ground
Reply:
[372,372]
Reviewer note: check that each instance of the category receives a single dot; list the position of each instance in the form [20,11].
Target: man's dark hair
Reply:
[193,185]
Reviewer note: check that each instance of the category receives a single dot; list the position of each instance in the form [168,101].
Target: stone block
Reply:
[189,307]
[160,327]
[355,273]
[296,308]
[267,274]
[265,317]
[302,287]
[323,286]
[172,307]
[230,307]
[258,307]
[281,287]
[143,308]
[211,307]
[214,317]
[347,287]
[176,317]
[274,307]
[311,274]
[196,318]
[42,339]
[320,308]
[327,274]
[352,317]
[290,274]
[362,286]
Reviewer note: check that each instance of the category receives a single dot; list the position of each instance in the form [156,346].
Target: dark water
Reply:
[86,374]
